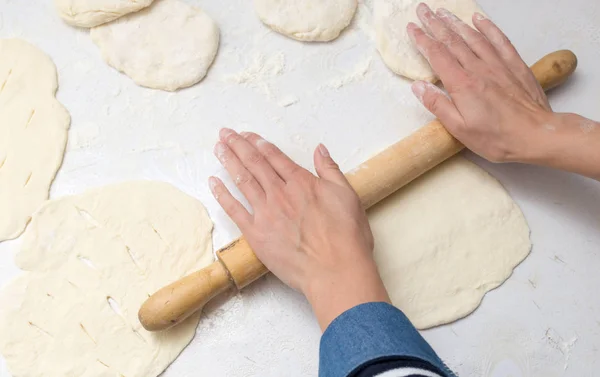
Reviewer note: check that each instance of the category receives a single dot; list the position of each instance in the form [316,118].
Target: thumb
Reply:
[327,168]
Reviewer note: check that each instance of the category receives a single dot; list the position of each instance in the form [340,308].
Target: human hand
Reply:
[495,105]
[311,232]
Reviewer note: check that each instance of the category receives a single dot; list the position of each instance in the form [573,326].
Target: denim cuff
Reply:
[373,332]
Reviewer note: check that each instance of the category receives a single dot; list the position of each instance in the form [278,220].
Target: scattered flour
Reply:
[357,74]
[288,101]
[364,18]
[259,72]
[261,69]
[549,127]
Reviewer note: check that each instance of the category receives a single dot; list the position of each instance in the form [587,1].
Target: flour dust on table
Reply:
[90,13]
[445,240]
[307,20]
[90,261]
[394,43]
[33,133]
[169,45]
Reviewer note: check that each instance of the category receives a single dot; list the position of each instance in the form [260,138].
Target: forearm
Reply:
[568,142]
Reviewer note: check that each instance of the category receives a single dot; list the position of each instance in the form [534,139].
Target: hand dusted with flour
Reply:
[118,245]
[168,46]
[393,41]
[33,133]
[90,13]
[307,20]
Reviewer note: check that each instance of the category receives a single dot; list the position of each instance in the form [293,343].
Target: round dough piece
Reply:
[168,46]
[307,20]
[445,240]
[394,43]
[91,261]
[90,13]
[33,133]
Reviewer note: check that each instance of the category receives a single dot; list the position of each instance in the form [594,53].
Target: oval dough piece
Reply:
[90,13]
[307,20]
[33,133]
[393,42]
[168,46]
[445,240]
[113,245]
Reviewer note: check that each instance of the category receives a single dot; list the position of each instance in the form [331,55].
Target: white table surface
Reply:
[545,321]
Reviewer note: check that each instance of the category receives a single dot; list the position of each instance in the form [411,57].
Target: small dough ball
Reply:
[90,13]
[307,20]
[168,46]
[394,43]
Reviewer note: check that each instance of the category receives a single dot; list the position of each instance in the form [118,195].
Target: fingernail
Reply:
[225,132]
[323,151]
[445,13]
[418,88]
[478,16]
[260,142]
[212,184]
[220,150]
[423,11]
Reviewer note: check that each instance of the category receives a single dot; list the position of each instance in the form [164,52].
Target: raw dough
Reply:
[90,13]
[168,46]
[33,133]
[447,239]
[307,20]
[393,41]
[122,242]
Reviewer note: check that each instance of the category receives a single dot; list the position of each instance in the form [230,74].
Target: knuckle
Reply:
[269,151]
[432,102]
[436,48]
[451,39]
[254,158]
[243,179]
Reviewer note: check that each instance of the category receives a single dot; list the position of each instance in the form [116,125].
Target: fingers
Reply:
[327,168]
[251,158]
[478,43]
[282,164]
[234,209]
[243,179]
[437,54]
[441,31]
[436,101]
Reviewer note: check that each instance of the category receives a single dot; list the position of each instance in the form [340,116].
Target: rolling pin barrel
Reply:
[374,180]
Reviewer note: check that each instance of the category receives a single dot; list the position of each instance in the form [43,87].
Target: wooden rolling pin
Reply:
[237,265]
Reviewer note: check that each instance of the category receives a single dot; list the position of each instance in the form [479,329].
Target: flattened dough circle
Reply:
[90,13]
[169,45]
[393,42]
[33,133]
[307,20]
[121,242]
[445,240]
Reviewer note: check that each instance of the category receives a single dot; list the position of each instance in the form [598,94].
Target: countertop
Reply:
[544,321]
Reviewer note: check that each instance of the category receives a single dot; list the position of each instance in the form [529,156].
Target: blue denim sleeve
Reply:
[374,332]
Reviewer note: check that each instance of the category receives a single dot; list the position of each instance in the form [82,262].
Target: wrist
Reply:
[531,144]
[335,292]
[568,142]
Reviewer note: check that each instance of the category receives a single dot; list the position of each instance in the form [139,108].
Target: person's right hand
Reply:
[310,231]
[495,105]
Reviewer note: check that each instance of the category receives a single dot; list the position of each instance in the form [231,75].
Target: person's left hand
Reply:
[311,232]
